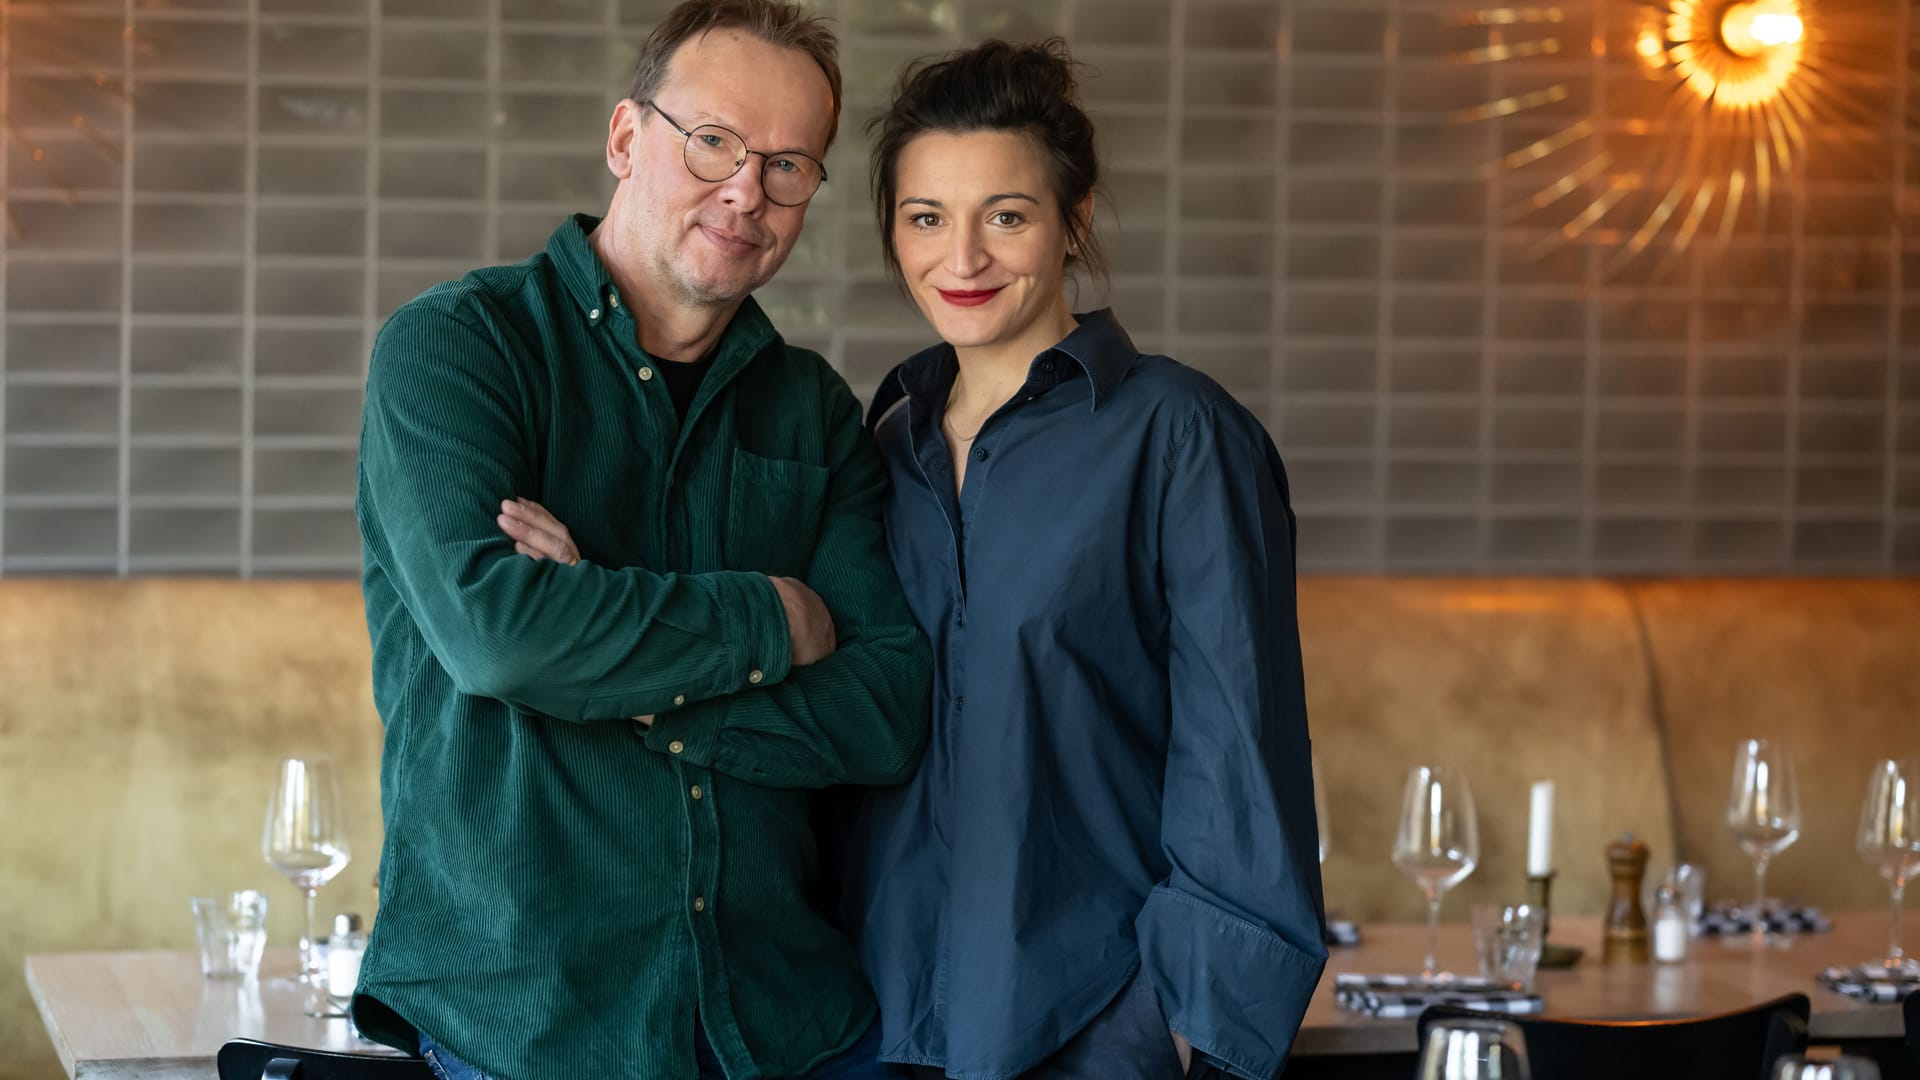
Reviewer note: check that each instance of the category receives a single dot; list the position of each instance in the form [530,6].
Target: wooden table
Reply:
[1715,978]
[152,1014]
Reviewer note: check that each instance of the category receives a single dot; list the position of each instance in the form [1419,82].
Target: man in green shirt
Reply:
[595,779]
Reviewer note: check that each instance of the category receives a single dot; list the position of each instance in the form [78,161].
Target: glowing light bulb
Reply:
[1752,28]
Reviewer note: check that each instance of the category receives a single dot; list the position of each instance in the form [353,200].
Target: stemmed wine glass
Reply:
[1889,841]
[1763,812]
[1438,841]
[306,840]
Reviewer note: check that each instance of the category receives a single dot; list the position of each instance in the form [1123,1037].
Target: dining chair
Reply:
[1737,1045]
[246,1059]
[1912,1011]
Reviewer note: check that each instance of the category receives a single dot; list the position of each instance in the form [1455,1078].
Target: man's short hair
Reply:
[784,25]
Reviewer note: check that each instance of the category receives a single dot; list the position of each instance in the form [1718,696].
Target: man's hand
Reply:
[809,623]
[536,533]
[1185,1049]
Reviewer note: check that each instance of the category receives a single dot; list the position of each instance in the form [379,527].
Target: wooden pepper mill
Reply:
[1626,931]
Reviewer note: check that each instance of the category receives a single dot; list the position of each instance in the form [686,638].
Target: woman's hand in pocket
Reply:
[536,533]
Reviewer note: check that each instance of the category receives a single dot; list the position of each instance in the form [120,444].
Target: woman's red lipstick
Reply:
[968,298]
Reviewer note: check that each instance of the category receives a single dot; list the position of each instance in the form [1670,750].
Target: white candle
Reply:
[1540,830]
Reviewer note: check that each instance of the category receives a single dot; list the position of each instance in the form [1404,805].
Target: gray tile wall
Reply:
[211,204]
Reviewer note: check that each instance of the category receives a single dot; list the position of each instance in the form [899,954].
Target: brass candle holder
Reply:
[1539,895]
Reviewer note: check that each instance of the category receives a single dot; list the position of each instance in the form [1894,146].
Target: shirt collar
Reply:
[592,287]
[1099,345]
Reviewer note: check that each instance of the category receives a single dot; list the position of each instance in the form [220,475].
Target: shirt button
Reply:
[594,315]
[1046,366]
[646,374]
[755,676]
[699,903]
[679,699]
[676,746]
[959,703]
[694,791]
[613,300]
[979,453]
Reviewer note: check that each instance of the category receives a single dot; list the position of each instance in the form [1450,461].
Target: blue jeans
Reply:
[861,1061]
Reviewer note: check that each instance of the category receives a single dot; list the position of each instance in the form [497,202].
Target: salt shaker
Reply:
[344,951]
[1672,931]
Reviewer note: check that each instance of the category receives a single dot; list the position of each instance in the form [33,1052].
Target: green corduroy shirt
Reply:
[564,890]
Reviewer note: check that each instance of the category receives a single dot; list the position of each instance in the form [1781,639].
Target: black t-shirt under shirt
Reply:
[683,381]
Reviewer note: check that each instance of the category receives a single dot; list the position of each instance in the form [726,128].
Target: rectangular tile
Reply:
[62,533]
[1535,539]
[334,52]
[1759,542]
[187,350]
[62,410]
[313,110]
[56,225]
[194,168]
[339,352]
[68,350]
[434,174]
[183,533]
[65,164]
[187,289]
[197,410]
[306,412]
[190,230]
[1434,427]
[184,471]
[303,170]
[63,287]
[422,52]
[306,534]
[193,108]
[65,470]
[304,292]
[296,230]
[278,472]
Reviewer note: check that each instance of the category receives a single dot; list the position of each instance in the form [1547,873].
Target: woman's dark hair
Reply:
[995,86]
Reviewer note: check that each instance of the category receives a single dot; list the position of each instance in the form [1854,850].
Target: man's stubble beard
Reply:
[699,294]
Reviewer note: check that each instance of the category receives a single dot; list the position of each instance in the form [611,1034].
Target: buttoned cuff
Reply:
[1236,990]
[757,627]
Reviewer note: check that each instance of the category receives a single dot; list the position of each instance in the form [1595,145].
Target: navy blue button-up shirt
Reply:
[1118,778]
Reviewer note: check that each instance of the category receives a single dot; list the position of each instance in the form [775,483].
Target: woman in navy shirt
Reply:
[1108,859]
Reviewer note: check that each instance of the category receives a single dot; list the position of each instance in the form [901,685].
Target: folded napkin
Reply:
[1726,918]
[1399,996]
[1870,983]
[1343,933]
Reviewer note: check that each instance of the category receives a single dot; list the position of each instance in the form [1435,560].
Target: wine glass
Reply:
[1763,812]
[1320,807]
[1843,1067]
[1438,841]
[1474,1048]
[1889,841]
[306,840]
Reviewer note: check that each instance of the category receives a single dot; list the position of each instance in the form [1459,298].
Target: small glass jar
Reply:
[344,951]
[1672,929]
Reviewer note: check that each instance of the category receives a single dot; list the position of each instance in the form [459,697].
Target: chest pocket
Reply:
[773,514]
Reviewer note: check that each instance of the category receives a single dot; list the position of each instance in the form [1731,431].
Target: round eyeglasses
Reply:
[714,154]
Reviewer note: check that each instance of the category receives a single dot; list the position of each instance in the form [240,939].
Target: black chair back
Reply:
[246,1059]
[1912,1009]
[1736,1045]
